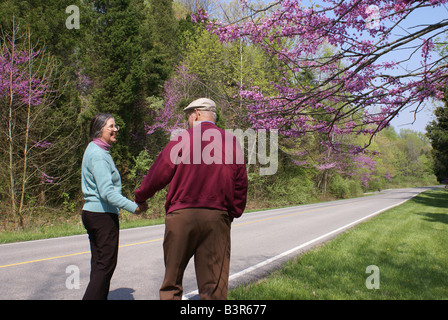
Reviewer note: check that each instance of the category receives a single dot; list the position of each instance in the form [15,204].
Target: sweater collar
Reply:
[100,143]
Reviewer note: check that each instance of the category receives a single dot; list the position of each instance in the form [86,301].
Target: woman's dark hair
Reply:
[97,124]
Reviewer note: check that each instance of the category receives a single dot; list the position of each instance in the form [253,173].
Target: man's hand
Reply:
[142,207]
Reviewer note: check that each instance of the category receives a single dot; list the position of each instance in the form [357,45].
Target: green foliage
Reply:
[164,28]
[115,59]
[142,164]
[344,188]
[294,190]
[46,20]
[404,159]
[437,132]
[68,205]
[291,185]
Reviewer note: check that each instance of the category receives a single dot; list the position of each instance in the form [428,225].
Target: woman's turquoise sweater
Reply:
[101,183]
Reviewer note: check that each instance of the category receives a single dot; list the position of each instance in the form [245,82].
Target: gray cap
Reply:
[205,104]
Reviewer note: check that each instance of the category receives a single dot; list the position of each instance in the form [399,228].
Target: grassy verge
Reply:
[407,244]
[72,227]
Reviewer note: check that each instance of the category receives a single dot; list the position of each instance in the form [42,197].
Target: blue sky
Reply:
[404,120]
[408,119]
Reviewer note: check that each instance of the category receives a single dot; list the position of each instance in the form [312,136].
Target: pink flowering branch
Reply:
[358,88]
[170,117]
[42,144]
[48,179]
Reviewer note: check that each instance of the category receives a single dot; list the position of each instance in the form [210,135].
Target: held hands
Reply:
[142,207]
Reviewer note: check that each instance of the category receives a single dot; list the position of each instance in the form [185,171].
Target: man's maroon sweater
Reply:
[204,168]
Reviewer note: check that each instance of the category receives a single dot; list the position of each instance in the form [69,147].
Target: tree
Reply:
[194,5]
[437,132]
[113,60]
[164,29]
[46,20]
[359,88]
[158,59]
[33,136]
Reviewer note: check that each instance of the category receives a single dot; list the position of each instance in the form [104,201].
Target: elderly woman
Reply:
[101,185]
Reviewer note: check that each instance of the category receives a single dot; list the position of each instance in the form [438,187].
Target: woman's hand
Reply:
[142,207]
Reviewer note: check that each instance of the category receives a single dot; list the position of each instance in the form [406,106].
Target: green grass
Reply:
[68,229]
[407,243]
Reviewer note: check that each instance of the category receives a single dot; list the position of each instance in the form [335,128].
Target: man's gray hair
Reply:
[210,113]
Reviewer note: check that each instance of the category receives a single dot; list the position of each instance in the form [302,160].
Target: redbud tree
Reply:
[359,85]
[33,135]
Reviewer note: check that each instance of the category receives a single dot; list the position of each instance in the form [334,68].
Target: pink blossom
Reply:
[42,144]
[169,117]
[349,86]
[46,179]
[15,78]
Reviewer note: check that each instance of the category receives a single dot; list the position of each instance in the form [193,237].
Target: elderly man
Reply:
[207,190]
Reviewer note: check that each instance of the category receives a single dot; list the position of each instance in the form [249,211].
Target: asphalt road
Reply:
[57,269]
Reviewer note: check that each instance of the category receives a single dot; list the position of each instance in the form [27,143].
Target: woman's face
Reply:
[109,133]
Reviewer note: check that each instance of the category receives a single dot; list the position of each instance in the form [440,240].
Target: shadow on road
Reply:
[121,294]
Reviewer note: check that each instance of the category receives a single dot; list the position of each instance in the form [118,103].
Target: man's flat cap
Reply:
[205,104]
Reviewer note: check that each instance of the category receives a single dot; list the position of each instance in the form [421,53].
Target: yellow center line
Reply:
[287,215]
[44,259]
[155,240]
[271,218]
[73,254]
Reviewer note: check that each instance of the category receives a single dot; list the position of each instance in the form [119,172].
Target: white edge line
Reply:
[281,255]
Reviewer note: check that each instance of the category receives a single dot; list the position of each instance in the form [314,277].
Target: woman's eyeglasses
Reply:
[112,127]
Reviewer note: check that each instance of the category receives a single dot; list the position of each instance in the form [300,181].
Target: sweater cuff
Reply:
[131,207]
